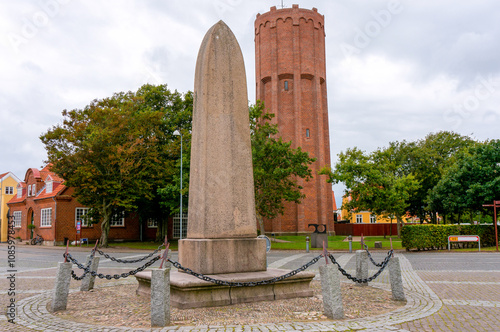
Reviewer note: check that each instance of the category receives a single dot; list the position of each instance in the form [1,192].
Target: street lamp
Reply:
[178,133]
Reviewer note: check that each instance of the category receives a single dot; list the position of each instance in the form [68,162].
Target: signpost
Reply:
[464,238]
[494,205]
[78,230]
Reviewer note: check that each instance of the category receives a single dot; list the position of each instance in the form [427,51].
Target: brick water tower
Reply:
[291,81]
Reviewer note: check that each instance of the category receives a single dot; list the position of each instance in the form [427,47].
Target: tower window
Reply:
[286,85]
[308,134]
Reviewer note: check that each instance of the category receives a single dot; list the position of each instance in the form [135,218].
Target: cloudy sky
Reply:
[395,69]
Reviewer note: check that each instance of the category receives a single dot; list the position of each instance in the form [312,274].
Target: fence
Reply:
[366,229]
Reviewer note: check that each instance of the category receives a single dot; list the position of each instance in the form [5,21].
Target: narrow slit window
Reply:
[286,85]
[308,134]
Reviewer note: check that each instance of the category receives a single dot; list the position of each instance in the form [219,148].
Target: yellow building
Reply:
[364,217]
[8,188]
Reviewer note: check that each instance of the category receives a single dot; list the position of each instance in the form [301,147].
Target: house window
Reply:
[118,220]
[48,187]
[19,191]
[359,218]
[177,224]
[152,223]
[308,134]
[29,190]
[17,219]
[9,190]
[46,217]
[33,190]
[286,85]
[81,215]
[373,218]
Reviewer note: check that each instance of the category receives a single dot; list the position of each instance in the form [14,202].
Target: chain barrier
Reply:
[362,281]
[87,270]
[245,284]
[73,274]
[371,258]
[125,261]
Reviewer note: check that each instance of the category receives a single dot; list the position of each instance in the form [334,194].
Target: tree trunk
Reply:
[105,225]
[399,225]
[261,224]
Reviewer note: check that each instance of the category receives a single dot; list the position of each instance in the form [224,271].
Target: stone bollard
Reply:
[61,289]
[88,280]
[330,288]
[398,292]
[160,297]
[361,266]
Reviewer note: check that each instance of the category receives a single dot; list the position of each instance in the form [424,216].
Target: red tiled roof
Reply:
[56,189]
[4,174]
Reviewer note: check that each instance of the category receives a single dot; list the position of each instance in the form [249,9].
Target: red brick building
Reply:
[291,81]
[44,201]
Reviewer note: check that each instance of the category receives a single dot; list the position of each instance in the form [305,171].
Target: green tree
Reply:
[277,167]
[375,182]
[427,159]
[471,181]
[115,151]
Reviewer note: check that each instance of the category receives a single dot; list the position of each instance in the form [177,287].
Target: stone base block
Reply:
[187,291]
[218,256]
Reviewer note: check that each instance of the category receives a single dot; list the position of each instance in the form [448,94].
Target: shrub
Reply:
[436,236]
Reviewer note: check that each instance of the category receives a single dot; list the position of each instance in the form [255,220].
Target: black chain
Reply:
[87,270]
[371,258]
[127,261]
[362,281]
[245,284]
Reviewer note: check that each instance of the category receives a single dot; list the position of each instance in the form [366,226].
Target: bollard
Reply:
[89,279]
[160,297]
[61,288]
[398,292]
[307,243]
[361,266]
[330,288]
[350,243]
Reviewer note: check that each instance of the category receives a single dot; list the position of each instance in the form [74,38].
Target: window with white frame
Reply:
[29,190]
[33,190]
[9,190]
[373,218]
[46,217]
[152,223]
[177,224]
[48,187]
[359,218]
[17,218]
[81,215]
[19,191]
[118,220]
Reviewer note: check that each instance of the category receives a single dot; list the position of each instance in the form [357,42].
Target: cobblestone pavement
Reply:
[440,298]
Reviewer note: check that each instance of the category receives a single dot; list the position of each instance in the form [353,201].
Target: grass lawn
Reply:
[334,243]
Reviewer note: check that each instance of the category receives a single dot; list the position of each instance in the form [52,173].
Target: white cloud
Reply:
[418,64]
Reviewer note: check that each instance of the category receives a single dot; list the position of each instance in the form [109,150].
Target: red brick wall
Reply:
[290,46]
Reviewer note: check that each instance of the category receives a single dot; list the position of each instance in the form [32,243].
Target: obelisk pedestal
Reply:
[222,229]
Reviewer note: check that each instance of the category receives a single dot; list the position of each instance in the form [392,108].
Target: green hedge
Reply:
[436,236]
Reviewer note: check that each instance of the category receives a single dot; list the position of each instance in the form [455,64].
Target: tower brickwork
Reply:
[291,81]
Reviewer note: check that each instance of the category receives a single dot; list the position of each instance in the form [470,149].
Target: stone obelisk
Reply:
[222,230]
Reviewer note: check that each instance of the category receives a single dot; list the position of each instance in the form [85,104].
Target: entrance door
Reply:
[31,218]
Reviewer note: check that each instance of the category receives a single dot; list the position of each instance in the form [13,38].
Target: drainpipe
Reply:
[55,218]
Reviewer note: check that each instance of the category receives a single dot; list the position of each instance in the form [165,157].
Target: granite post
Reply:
[222,228]
[61,288]
[330,288]
[398,292]
[361,266]
[88,280]
[160,297]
